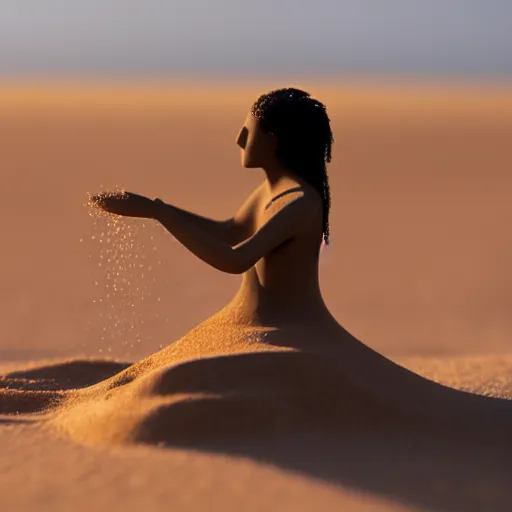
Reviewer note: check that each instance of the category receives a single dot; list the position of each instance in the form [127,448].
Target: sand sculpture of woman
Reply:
[277,330]
[274,239]
[274,357]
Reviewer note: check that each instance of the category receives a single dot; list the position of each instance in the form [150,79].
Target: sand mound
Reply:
[246,396]
[251,395]
[224,397]
[69,374]
[321,425]
[41,388]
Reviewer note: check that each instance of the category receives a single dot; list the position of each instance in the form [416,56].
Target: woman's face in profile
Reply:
[257,146]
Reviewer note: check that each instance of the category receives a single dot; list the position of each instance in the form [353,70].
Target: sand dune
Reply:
[417,270]
[277,410]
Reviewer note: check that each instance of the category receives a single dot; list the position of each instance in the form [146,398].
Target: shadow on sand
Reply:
[369,448]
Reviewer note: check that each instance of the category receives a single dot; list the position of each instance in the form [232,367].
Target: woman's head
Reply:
[289,126]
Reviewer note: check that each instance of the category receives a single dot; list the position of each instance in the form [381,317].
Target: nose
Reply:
[242,137]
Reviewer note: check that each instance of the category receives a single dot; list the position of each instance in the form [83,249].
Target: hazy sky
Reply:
[454,37]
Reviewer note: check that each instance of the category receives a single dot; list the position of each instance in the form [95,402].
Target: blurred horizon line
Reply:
[350,95]
[227,82]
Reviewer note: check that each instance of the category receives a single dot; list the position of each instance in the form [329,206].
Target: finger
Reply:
[96,199]
[104,196]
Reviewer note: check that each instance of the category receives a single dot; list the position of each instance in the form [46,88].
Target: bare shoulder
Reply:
[304,200]
[250,204]
[243,222]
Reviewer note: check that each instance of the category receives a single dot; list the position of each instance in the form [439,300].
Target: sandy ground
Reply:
[417,270]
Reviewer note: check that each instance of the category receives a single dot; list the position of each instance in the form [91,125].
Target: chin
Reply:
[249,164]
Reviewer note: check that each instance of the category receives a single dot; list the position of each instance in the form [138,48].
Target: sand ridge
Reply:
[424,470]
[245,389]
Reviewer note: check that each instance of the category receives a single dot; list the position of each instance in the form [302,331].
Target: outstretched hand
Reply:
[127,204]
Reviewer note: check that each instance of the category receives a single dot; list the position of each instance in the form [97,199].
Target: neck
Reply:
[275,172]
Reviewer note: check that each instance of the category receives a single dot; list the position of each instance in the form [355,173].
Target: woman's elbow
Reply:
[234,265]
[233,268]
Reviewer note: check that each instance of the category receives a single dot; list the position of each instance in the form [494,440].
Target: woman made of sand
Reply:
[273,358]
[274,242]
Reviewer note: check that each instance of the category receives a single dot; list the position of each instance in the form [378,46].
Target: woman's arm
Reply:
[224,230]
[230,231]
[287,218]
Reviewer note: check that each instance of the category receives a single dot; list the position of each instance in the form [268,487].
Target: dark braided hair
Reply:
[304,138]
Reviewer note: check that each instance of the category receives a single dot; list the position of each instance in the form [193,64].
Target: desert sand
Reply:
[417,271]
